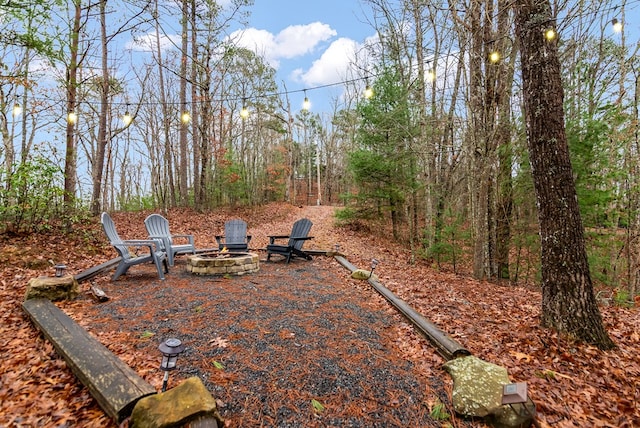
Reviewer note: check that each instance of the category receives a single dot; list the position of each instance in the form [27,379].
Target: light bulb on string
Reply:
[368,92]
[185,117]
[306,104]
[17,110]
[127,119]
[494,57]
[616,25]
[431,76]
[550,34]
[244,113]
[72,118]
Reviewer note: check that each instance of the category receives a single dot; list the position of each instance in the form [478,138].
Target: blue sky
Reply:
[310,43]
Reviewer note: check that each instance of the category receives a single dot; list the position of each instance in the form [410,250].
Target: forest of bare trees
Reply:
[444,150]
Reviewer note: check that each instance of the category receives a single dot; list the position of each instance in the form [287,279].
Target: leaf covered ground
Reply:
[269,362]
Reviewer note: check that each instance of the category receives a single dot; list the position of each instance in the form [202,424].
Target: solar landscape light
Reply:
[170,349]
[516,393]
[374,263]
[60,268]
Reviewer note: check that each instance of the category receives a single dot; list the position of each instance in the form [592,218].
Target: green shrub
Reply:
[31,197]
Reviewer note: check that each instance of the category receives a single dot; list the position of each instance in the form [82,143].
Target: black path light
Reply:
[374,263]
[60,268]
[170,349]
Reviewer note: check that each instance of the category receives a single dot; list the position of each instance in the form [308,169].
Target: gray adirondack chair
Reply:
[235,236]
[293,248]
[155,254]
[158,228]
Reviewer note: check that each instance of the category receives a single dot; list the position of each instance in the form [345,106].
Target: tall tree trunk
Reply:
[184,126]
[568,301]
[502,136]
[168,196]
[70,159]
[481,184]
[195,115]
[98,161]
[417,11]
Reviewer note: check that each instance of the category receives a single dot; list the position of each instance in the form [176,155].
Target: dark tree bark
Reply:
[568,301]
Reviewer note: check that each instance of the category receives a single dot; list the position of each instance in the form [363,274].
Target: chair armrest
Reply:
[302,238]
[219,239]
[188,237]
[153,244]
[272,238]
[248,239]
[163,240]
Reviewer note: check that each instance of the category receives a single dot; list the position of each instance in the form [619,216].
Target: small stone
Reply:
[363,274]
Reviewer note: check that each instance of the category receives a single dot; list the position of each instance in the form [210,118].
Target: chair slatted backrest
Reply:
[235,232]
[301,229]
[110,230]
[158,226]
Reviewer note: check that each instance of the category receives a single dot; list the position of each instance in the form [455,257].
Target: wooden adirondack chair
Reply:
[299,234]
[156,254]
[158,228]
[235,236]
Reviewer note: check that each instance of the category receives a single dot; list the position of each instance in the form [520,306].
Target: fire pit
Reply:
[227,263]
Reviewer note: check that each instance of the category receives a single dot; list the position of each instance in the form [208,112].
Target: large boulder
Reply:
[52,288]
[176,407]
[477,392]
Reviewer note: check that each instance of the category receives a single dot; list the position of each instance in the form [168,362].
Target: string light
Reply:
[617,25]
[244,113]
[368,92]
[17,110]
[127,119]
[494,57]
[306,104]
[185,117]
[550,34]
[72,118]
[431,76]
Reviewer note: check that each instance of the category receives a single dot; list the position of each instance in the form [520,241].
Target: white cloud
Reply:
[294,41]
[332,66]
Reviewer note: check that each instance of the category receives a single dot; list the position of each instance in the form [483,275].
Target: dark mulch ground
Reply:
[267,344]
[353,354]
